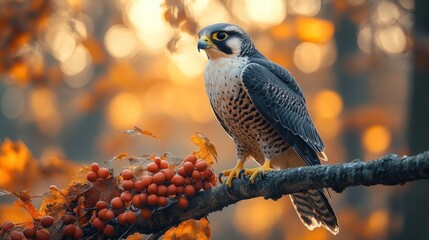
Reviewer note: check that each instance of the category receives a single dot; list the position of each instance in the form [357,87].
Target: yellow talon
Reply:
[253,172]
[233,173]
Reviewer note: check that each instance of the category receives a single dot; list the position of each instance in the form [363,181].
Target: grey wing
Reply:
[285,109]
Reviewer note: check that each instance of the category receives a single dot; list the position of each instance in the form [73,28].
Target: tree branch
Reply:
[388,170]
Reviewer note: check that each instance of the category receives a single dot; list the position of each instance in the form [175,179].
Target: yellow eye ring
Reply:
[219,36]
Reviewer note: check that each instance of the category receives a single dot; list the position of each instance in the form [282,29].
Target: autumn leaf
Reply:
[138,131]
[4,192]
[24,201]
[207,150]
[189,230]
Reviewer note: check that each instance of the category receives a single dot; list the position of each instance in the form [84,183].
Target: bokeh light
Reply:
[365,38]
[260,12]
[152,30]
[304,7]
[209,12]
[327,104]
[12,102]
[60,39]
[124,111]
[314,30]
[256,217]
[189,61]
[376,139]
[391,40]
[387,12]
[120,41]
[77,62]
[308,57]
[44,106]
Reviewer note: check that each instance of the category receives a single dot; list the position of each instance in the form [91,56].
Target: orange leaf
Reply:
[207,150]
[138,131]
[29,207]
[190,229]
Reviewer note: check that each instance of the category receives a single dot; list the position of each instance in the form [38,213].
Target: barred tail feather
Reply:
[314,210]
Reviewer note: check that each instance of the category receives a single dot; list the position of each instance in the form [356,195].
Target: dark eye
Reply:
[220,36]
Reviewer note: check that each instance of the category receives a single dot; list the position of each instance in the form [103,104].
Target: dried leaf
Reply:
[28,205]
[135,236]
[138,131]
[207,150]
[189,230]
[4,192]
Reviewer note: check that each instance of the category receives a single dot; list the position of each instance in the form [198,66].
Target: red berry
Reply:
[187,180]
[128,185]
[97,223]
[122,219]
[201,166]
[163,164]
[78,234]
[130,217]
[152,200]
[109,230]
[29,232]
[180,190]
[127,174]
[207,174]
[197,175]
[157,160]
[139,185]
[162,190]
[169,174]
[136,201]
[198,185]
[109,215]
[171,190]
[190,158]
[15,235]
[182,202]
[178,180]
[181,171]
[100,205]
[103,172]
[147,180]
[159,178]
[92,176]
[46,221]
[162,201]
[102,213]
[152,167]
[94,167]
[189,190]
[126,196]
[7,226]
[69,230]
[42,235]
[189,167]
[116,203]
[143,198]
[207,185]
[146,213]
[69,219]
[153,188]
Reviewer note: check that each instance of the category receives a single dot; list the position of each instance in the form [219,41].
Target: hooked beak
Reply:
[204,43]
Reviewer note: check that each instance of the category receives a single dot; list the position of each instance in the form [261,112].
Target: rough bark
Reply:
[388,170]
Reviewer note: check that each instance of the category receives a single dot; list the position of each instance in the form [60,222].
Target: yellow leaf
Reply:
[207,150]
[189,230]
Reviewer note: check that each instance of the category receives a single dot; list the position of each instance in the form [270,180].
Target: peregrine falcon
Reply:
[262,108]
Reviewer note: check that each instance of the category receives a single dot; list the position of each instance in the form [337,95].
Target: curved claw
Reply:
[241,173]
[232,173]
[220,177]
[254,172]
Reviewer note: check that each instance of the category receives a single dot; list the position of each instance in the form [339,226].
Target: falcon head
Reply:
[225,40]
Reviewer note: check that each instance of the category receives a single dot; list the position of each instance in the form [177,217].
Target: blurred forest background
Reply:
[74,74]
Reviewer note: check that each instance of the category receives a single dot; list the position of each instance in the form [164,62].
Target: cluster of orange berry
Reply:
[142,195]
[40,231]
